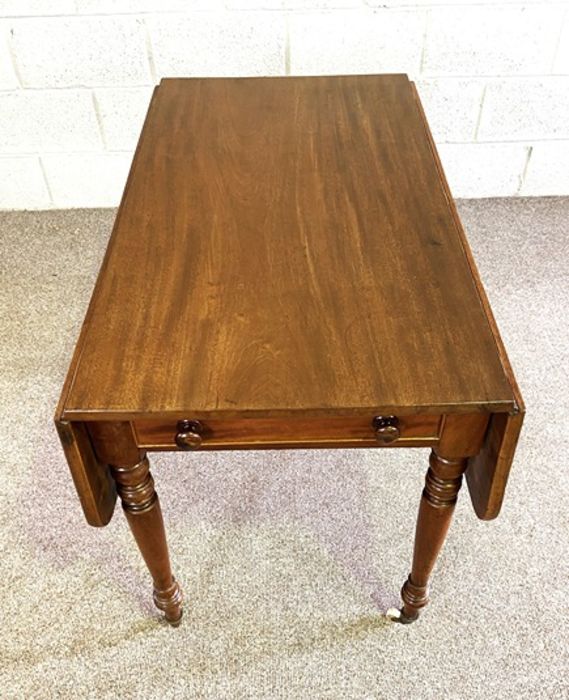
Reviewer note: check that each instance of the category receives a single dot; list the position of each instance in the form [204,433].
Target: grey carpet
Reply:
[288,559]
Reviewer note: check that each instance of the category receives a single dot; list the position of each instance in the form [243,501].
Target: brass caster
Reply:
[177,622]
[396,615]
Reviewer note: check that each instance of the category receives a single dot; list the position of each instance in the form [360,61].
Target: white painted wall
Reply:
[76,77]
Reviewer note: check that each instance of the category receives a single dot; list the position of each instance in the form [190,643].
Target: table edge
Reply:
[60,412]
[519,406]
[71,414]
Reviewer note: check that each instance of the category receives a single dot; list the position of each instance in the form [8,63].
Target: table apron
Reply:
[290,433]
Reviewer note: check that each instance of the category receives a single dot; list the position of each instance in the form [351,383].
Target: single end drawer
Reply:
[274,433]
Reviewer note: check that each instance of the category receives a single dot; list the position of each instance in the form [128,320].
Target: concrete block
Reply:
[548,169]
[86,179]
[483,169]
[8,77]
[218,44]
[292,4]
[491,39]
[255,4]
[561,64]
[22,184]
[48,120]
[356,42]
[452,106]
[122,112]
[528,108]
[22,8]
[139,6]
[322,4]
[446,3]
[81,51]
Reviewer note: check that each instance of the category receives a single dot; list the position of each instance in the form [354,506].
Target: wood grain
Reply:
[488,471]
[283,246]
[91,476]
[483,297]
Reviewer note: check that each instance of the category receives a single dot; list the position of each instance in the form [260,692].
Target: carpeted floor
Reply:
[288,560]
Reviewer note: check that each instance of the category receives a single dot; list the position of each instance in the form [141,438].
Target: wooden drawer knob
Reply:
[189,435]
[386,428]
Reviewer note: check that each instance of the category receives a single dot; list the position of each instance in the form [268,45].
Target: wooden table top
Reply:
[286,245]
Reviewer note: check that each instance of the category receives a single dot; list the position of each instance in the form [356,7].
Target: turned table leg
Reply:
[442,485]
[115,445]
[135,487]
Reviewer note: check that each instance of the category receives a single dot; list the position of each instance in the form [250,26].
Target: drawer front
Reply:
[274,433]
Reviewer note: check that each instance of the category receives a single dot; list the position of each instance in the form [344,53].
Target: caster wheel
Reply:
[175,623]
[397,615]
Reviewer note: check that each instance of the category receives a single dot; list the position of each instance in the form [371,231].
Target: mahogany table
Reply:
[287,270]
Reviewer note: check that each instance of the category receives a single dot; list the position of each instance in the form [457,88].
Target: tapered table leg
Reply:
[442,485]
[135,487]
